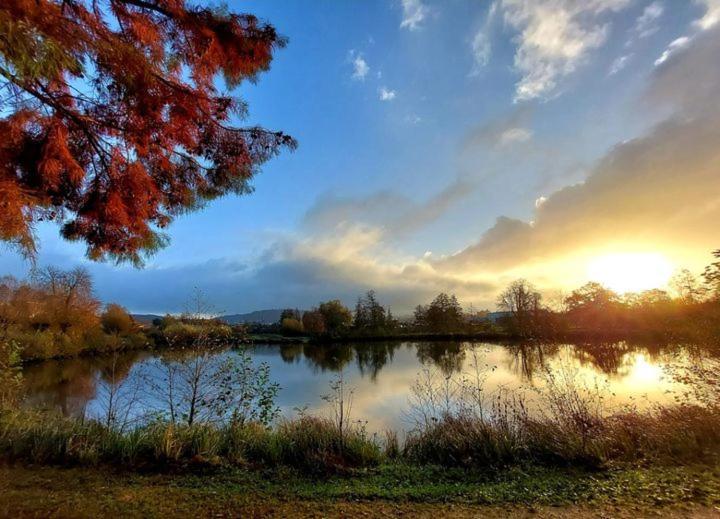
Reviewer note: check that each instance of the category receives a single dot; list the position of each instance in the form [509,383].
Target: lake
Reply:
[381,375]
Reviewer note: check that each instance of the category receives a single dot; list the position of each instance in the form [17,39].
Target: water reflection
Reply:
[381,372]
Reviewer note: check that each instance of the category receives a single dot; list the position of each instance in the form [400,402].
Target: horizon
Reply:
[454,148]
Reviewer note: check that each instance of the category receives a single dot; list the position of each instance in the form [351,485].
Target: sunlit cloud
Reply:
[674,46]
[637,195]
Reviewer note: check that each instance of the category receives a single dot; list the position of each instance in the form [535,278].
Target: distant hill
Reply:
[259,316]
[145,318]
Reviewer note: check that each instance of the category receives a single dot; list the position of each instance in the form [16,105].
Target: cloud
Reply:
[646,23]
[480,45]
[393,214]
[618,64]
[360,66]
[711,16]
[555,36]
[386,94]
[674,46]
[660,189]
[708,21]
[512,135]
[508,129]
[414,14]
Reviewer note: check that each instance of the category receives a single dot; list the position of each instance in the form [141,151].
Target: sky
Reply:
[454,146]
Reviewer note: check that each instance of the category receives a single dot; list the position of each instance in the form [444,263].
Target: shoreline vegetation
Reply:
[55,315]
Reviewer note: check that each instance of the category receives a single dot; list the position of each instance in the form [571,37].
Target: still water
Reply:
[381,375]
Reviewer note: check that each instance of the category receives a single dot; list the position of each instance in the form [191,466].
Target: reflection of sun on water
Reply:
[643,373]
[630,272]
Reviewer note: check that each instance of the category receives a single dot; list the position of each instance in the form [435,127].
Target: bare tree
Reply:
[522,300]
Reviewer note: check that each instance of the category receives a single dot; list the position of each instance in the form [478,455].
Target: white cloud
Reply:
[646,24]
[554,37]
[674,46]
[414,13]
[711,16]
[387,95]
[540,201]
[360,66]
[512,135]
[619,64]
[481,51]
[480,45]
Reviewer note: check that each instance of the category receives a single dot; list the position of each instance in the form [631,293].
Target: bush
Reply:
[116,320]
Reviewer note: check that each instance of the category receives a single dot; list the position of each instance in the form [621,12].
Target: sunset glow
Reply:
[631,272]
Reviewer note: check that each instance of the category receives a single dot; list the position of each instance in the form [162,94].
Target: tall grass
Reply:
[572,426]
[308,444]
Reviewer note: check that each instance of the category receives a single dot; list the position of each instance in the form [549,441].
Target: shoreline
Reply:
[496,337]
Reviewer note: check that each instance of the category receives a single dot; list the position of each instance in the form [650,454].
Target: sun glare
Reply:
[630,272]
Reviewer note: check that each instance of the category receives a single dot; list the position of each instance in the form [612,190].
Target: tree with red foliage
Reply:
[112,118]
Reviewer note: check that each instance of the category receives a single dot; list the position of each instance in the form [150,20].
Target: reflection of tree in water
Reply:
[616,358]
[372,357]
[116,368]
[291,353]
[68,385]
[328,357]
[528,357]
[448,356]
[607,357]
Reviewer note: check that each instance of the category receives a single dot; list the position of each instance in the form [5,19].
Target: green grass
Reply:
[390,489]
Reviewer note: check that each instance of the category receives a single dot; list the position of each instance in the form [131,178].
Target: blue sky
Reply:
[419,125]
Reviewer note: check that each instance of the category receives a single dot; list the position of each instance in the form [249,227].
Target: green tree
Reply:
[336,316]
[443,315]
[370,315]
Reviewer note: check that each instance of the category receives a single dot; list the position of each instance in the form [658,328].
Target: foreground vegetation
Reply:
[387,491]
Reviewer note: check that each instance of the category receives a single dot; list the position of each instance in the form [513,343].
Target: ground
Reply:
[391,491]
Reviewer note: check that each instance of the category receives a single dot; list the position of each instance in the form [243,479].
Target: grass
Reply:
[309,444]
[683,433]
[389,489]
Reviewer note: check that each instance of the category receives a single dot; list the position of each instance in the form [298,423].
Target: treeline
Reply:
[333,319]
[693,311]
[55,314]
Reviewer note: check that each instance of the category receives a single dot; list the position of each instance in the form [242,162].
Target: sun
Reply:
[630,271]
